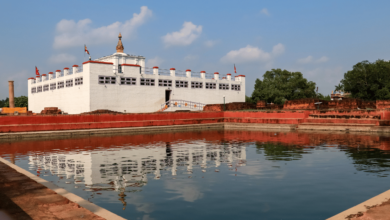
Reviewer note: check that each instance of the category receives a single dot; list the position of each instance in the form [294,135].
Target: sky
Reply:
[320,39]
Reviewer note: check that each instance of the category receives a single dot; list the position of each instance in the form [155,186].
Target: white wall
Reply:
[135,98]
[150,98]
[72,100]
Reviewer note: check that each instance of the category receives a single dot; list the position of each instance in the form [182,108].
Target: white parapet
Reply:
[216,76]
[58,73]
[51,75]
[229,76]
[203,74]
[155,70]
[172,71]
[75,69]
[66,71]
[188,73]
[38,79]
[44,77]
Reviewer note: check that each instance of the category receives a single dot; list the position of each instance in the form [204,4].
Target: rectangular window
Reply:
[128,81]
[60,85]
[147,82]
[164,82]
[224,86]
[69,83]
[181,84]
[236,87]
[78,81]
[107,80]
[52,86]
[119,68]
[46,87]
[196,85]
[34,90]
[211,85]
[39,89]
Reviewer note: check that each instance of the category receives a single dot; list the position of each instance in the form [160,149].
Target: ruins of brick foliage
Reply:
[101,111]
[229,106]
[305,104]
[309,104]
[51,111]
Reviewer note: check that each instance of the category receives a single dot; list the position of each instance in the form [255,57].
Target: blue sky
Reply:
[321,39]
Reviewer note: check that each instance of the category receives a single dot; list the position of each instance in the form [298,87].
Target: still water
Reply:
[214,174]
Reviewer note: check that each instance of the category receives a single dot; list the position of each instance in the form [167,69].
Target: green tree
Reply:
[21,101]
[249,100]
[4,103]
[281,85]
[368,81]
[322,97]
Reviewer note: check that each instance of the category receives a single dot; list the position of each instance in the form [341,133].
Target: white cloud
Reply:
[210,43]
[306,60]
[62,58]
[252,54]
[72,34]
[184,37]
[278,49]
[264,11]
[185,189]
[190,57]
[157,61]
[322,59]
[310,59]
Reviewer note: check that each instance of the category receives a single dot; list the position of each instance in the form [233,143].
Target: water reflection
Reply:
[246,173]
[128,167]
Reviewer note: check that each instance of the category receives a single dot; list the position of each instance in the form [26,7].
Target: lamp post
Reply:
[224,107]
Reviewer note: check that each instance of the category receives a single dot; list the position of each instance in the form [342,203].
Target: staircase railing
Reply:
[182,104]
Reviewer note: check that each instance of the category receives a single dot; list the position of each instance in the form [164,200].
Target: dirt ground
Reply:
[380,212]
[22,198]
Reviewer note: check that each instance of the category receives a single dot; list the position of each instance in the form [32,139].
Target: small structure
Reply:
[339,95]
[121,82]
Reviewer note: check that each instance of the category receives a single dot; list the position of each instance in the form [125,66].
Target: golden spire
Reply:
[119,47]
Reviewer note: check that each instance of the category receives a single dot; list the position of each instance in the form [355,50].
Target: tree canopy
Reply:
[368,81]
[281,85]
[21,101]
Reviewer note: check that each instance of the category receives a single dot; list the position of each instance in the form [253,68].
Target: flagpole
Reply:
[84,53]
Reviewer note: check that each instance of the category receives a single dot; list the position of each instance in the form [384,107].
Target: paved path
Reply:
[23,198]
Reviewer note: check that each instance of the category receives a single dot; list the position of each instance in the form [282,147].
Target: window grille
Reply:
[181,84]
[53,86]
[39,89]
[119,68]
[166,83]
[128,81]
[196,85]
[236,87]
[78,81]
[211,85]
[69,83]
[107,80]
[34,90]
[60,85]
[147,82]
[46,87]
[224,86]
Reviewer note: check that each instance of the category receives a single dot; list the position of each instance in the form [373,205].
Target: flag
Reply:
[235,71]
[85,48]
[36,71]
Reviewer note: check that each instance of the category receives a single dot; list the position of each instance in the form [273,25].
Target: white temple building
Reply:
[121,82]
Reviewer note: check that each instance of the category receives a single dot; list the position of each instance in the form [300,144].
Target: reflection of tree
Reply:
[278,151]
[370,160]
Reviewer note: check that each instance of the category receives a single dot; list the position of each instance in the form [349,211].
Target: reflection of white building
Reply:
[118,168]
[121,82]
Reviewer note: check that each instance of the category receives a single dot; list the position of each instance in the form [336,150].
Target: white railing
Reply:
[182,104]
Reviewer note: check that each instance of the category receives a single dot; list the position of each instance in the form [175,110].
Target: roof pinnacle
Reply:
[119,47]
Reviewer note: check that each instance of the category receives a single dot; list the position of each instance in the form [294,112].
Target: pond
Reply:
[214,174]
